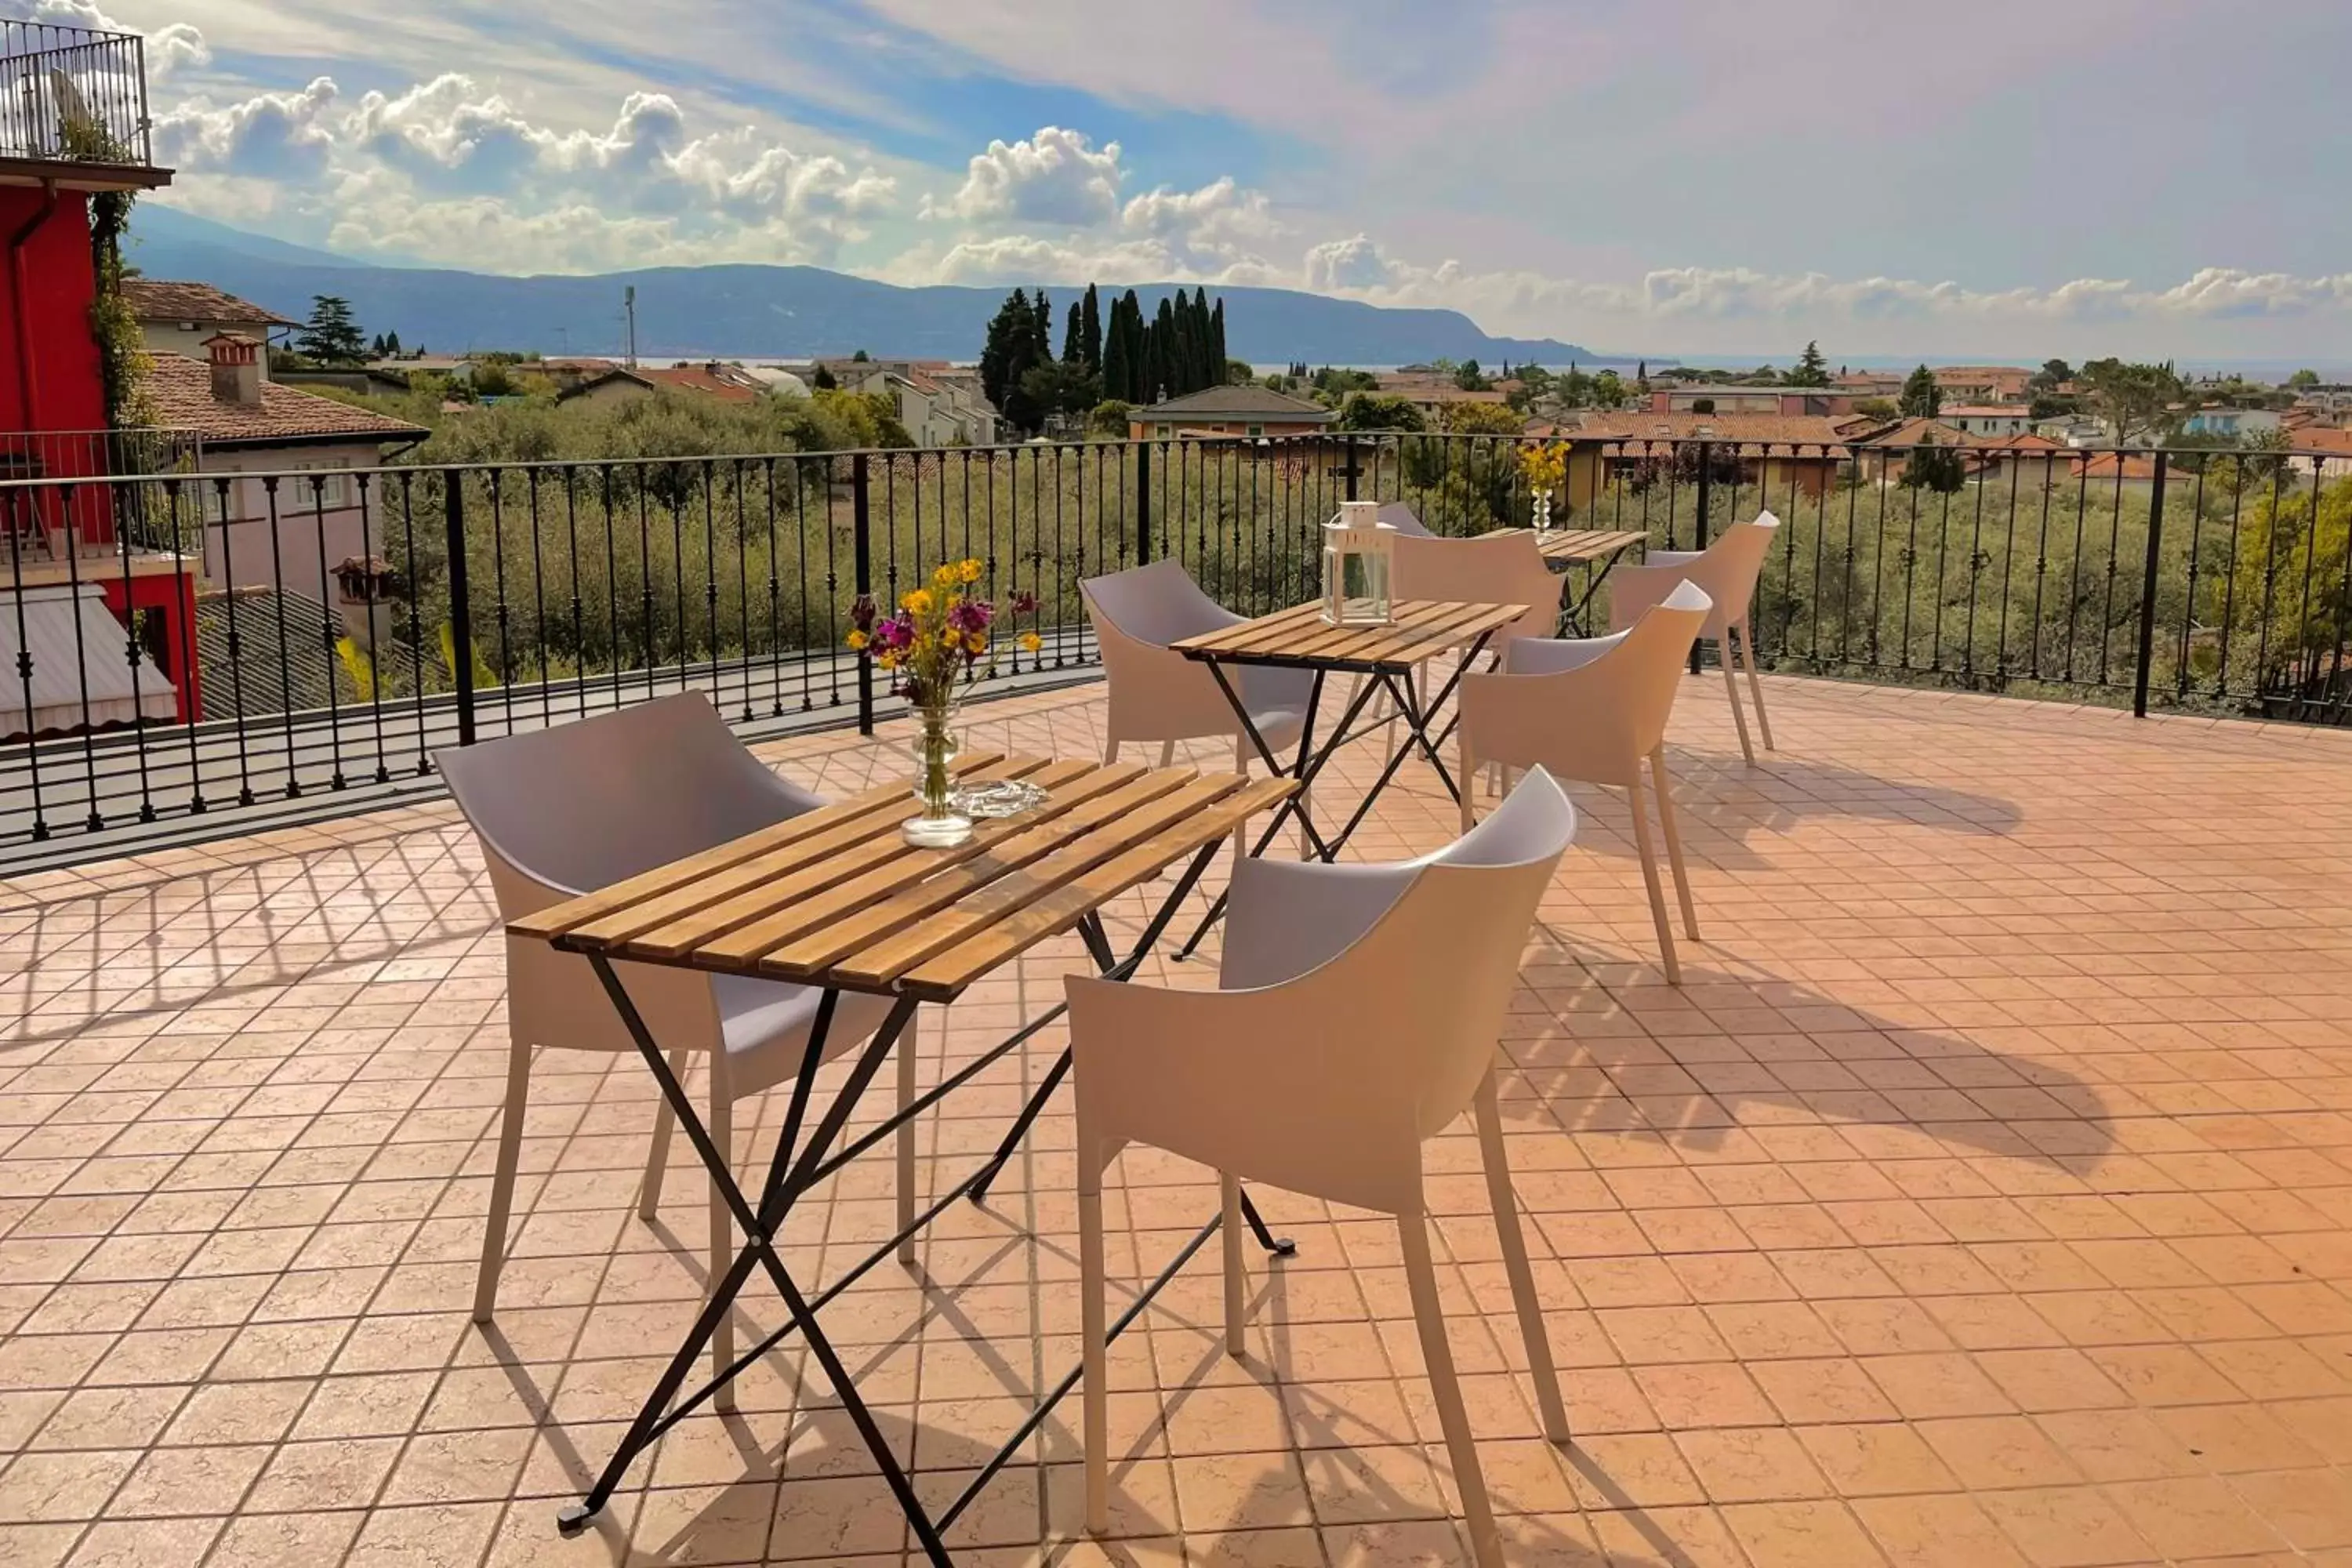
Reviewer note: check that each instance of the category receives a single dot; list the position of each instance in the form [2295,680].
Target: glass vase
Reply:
[938,826]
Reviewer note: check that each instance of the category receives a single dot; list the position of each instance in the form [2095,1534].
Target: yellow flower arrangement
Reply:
[1543,465]
[937,639]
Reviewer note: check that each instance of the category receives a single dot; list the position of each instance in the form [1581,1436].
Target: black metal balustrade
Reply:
[73,95]
[348,623]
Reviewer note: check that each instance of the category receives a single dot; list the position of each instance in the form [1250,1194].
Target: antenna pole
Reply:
[629,304]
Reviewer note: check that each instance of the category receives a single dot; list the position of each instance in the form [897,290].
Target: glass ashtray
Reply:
[997,797]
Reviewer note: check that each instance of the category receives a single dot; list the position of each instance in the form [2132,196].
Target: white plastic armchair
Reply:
[1158,694]
[1500,568]
[1595,710]
[1356,1017]
[564,811]
[1728,570]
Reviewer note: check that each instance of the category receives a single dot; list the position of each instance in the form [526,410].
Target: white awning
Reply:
[82,677]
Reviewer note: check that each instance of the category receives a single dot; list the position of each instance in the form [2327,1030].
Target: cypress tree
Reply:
[1196,343]
[1139,351]
[1184,367]
[1217,339]
[1116,381]
[1074,336]
[1164,352]
[1207,370]
[1090,335]
[1006,331]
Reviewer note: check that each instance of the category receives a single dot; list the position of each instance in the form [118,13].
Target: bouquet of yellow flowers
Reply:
[1545,466]
[936,639]
[934,645]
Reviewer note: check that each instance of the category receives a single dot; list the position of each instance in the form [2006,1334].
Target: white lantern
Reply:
[1356,550]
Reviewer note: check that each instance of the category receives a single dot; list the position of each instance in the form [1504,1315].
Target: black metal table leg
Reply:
[794,1169]
[1281,1246]
[785,1181]
[1098,944]
[1572,619]
[1307,768]
[1446,693]
[1296,805]
[1021,1125]
[773,1204]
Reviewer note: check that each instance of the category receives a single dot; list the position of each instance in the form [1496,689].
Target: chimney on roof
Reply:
[237,369]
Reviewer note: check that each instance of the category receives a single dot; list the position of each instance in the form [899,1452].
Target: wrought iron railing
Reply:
[73,95]
[342,626]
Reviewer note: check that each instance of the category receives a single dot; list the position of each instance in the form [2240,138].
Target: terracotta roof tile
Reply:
[1750,429]
[2127,465]
[727,386]
[161,299]
[182,390]
[1237,403]
[1918,432]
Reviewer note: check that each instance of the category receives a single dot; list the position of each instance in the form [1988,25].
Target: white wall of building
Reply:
[315,528]
[162,337]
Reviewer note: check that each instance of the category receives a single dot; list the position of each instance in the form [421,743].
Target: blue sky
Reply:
[2145,177]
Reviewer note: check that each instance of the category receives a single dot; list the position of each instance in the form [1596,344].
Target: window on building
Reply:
[330,489]
[1256,430]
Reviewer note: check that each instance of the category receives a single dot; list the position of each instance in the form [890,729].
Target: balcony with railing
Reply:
[73,104]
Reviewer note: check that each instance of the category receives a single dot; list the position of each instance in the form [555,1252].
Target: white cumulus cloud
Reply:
[447,170]
[280,135]
[1678,305]
[1054,177]
[168,47]
[1218,233]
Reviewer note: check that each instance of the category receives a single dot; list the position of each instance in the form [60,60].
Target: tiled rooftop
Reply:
[183,392]
[1984,1198]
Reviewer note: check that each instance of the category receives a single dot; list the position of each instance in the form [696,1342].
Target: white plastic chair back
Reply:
[1504,568]
[1405,519]
[584,804]
[1585,709]
[1157,694]
[1156,604]
[1345,1068]
[1727,569]
[567,810]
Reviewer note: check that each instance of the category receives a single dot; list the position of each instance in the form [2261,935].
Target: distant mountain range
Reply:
[759,312]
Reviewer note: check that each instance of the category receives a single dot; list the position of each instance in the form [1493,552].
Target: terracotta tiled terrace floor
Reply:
[1984,1199]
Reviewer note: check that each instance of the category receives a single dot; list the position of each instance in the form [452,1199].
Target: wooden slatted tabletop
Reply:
[1564,546]
[836,897]
[1299,635]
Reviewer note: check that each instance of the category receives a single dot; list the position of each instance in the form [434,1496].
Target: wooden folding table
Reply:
[1594,548]
[835,899]
[1388,659]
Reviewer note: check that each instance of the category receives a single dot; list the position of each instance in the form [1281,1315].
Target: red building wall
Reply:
[50,374]
[52,379]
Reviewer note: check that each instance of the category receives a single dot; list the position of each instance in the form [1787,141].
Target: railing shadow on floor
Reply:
[238,911]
